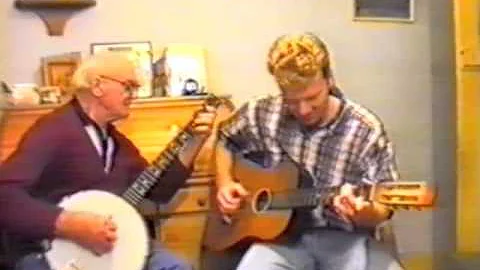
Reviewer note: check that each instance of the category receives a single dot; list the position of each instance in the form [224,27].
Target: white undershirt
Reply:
[97,142]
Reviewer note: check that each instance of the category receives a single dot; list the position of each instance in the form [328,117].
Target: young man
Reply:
[333,140]
[75,148]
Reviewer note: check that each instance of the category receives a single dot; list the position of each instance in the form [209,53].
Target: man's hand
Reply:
[94,232]
[230,196]
[357,210]
[203,121]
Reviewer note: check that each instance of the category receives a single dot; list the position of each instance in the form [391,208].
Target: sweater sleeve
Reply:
[170,182]
[21,213]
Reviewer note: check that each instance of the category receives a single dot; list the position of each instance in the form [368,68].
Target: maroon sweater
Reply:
[56,158]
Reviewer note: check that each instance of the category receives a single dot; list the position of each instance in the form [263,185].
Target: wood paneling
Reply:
[467,31]
[467,42]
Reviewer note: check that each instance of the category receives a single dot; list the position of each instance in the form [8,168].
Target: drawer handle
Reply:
[201,202]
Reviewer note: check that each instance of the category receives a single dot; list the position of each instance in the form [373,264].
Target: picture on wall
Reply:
[383,10]
[185,70]
[140,53]
[57,70]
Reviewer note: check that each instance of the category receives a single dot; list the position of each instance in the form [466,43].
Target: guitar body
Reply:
[253,220]
[274,193]
[130,250]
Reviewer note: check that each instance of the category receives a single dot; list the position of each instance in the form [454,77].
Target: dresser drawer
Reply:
[182,235]
[187,200]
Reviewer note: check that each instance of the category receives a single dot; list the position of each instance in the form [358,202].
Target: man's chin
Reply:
[121,116]
[308,121]
[311,122]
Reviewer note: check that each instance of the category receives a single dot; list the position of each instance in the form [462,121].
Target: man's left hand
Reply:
[203,121]
[355,209]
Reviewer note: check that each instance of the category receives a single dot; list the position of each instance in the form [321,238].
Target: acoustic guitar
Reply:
[132,246]
[273,195]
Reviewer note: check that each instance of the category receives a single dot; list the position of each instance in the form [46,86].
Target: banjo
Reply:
[132,245]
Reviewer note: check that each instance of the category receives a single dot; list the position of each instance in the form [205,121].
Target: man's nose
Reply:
[304,108]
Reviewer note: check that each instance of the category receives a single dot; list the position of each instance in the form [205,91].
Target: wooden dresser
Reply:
[151,125]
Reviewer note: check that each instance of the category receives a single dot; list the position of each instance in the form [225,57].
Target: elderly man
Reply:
[76,147]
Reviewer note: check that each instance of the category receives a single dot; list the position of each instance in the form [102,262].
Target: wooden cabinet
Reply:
[467,46]
[151,125]
[468,31]
[181,222]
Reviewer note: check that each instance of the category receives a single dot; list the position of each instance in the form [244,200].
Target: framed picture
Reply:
[141,55]
[185,70]
[57,70]
[384,10]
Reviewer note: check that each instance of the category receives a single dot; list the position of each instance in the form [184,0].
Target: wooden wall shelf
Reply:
[54,13]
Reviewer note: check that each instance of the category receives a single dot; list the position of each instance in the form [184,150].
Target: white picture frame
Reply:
[141,53]
[384,10]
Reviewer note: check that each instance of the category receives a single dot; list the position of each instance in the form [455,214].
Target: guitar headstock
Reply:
[403,195]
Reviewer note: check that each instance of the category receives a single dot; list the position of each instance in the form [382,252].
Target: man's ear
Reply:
[331,82]
[97,88]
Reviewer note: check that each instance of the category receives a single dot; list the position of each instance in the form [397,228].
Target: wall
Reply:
[3,42]
[444,133]
[395,69]
[3,32]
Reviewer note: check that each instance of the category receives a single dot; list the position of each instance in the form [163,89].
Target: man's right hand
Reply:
[94,232]
[230,196]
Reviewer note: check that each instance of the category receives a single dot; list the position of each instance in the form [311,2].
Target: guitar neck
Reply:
[394,194]
[404,195]
[151,175]
[301,198]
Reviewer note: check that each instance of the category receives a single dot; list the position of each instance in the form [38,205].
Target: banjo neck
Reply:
[151,175]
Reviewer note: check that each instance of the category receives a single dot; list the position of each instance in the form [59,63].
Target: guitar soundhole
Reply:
[263,200]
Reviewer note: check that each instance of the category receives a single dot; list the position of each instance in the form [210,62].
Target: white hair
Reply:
[105,63]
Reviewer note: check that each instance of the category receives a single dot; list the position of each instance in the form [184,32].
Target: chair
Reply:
[386,235]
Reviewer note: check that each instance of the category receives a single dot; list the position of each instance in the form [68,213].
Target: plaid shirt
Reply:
[354,148]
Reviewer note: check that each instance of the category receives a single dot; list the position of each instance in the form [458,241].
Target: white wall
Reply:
[385,66]
[3,43]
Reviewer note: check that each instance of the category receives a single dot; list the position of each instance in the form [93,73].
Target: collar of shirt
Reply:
[86,120]
[101,140]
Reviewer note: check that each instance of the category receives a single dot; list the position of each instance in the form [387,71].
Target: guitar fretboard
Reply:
[308,197]
[294,199]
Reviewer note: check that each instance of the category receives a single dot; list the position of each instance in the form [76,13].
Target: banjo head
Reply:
[130,250]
